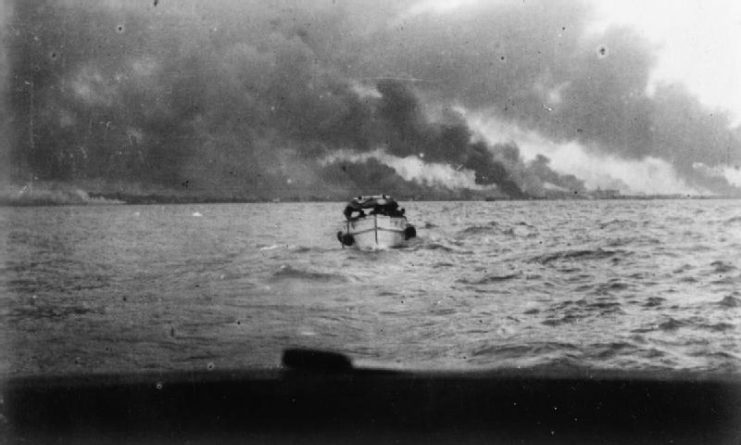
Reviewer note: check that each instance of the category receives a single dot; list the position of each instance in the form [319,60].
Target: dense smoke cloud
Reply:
[245,100]
[533,64]
[5,112]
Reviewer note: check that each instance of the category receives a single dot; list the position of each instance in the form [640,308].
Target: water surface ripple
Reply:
[604,284]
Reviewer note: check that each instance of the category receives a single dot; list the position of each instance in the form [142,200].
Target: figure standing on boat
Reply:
[379,205]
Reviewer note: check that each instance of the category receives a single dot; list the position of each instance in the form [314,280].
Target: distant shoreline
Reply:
[96,199]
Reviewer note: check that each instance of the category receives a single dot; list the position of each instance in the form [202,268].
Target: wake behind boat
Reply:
[383,227]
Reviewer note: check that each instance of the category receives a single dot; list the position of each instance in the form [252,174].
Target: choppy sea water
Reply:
[639,285]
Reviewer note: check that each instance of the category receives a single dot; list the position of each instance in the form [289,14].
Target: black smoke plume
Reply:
[245,99]
[529,63]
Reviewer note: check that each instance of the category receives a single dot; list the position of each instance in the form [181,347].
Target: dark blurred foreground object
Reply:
[319,397]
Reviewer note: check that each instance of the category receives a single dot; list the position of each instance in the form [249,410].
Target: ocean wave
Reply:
[443,247]
[584,254]
[264,248]
[619,242]
[521,232]
[671,324]
[725,356]
[727,280]
[631,241]
[50,312]
[501,351]
[442,311]
[729,301]
[613,286]
[442,265]
[683,268]
[717,327]
[568,304]
[722,266]
[290,273]
[604,351]
[566,319]
[479,229]
[491,279]
[680,220]
[606,306]
[618,224]
[651,353]
[572,311]
[654,302]
[733,220]
[522,350]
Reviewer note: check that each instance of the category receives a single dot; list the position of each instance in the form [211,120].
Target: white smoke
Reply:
[413,168]
[733,175]
[730,174]
[649,175]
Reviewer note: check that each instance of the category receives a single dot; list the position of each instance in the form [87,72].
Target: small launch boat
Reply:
[383,227]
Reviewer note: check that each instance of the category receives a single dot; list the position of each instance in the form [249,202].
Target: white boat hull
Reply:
[377,232]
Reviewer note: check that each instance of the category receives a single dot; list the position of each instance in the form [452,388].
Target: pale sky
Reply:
[698,41]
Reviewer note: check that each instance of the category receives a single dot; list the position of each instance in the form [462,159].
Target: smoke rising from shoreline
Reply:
[242,99]
[597,170]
